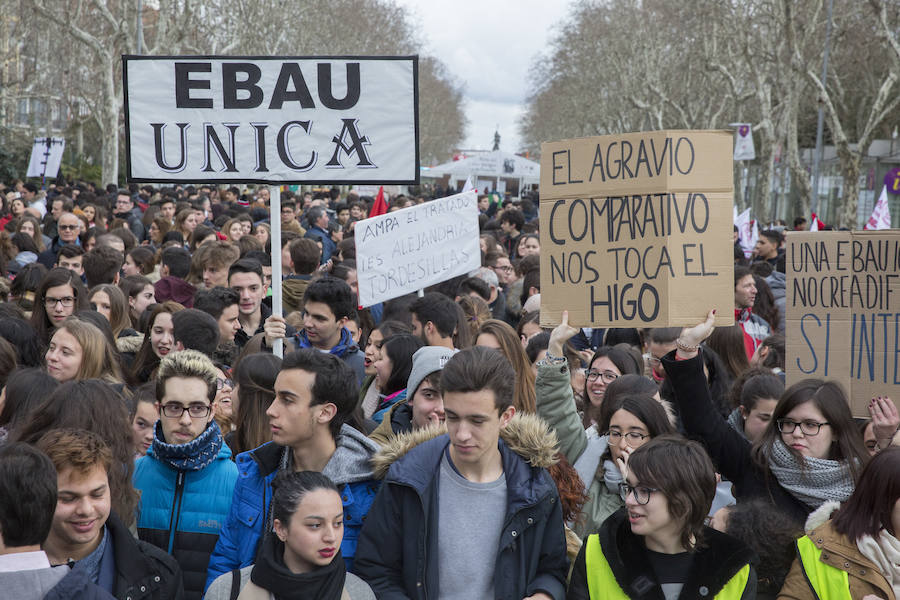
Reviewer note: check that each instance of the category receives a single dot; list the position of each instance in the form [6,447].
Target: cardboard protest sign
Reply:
[635,229]
[843,311]
[410,249]
[311,120]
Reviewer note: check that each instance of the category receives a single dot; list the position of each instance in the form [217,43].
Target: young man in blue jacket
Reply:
[315,393]
[187,477]
[328,303]
[468,515]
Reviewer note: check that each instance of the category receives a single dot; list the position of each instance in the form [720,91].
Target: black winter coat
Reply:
[143,571]
[713,565]
[397,552]
[728,449]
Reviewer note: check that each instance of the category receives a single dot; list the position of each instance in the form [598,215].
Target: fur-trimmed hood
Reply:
[526,434]
[129,343]
[821,515]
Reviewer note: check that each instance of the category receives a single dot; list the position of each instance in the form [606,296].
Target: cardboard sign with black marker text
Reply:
[843,312]
[636,229]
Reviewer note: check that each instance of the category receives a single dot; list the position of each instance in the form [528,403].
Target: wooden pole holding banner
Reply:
[275,234]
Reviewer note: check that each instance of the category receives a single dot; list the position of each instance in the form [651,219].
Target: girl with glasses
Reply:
[658,546]
[809,453]
[629,417]
[60,295]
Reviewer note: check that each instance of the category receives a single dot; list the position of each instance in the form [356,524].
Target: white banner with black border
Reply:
[314,120]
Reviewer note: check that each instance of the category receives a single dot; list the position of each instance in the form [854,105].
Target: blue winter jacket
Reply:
[349,468]
[181,512]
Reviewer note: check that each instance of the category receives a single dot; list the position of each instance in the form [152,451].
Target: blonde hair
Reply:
[98,357]
[186,363]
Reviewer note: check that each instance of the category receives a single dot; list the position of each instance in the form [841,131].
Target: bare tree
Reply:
[872,108]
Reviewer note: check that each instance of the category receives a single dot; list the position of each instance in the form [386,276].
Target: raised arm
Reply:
[729,450]
[555,401]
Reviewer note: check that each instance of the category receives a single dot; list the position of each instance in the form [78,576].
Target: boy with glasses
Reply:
[187,477]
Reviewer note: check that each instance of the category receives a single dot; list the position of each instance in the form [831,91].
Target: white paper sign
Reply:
[46,156]
[307,120]
[743,142]
[411,249]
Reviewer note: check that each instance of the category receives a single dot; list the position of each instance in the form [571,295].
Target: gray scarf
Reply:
[814,482]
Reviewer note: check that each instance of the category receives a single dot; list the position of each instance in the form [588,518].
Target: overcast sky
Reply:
[488,45]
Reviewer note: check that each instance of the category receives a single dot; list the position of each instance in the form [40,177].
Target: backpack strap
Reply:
[235,584]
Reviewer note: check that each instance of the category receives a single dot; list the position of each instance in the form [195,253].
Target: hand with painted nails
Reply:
[885,420]
[694,336]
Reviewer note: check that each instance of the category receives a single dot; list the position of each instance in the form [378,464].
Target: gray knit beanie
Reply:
[426,361]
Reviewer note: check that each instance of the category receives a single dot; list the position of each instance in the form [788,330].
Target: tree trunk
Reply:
[109,128]
[850,168]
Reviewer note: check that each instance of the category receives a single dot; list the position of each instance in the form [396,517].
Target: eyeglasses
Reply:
[506,269]
[220,383]
[175,410]
[807,427]
[67,301]
[606,376]
[67,227]
[641,492]
[631,437]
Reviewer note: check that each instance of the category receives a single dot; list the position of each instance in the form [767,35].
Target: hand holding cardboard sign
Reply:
[885,420]
[694,336]
[561,334]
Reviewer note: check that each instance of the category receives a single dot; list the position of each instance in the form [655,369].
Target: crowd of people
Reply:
[441,445]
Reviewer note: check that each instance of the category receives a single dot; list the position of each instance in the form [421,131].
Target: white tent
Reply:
[490,171]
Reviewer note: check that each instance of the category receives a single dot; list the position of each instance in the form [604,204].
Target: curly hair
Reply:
[571,489]
[771,534]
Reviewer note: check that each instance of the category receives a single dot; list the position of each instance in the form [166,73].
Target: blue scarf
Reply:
[340,350]
[193,456]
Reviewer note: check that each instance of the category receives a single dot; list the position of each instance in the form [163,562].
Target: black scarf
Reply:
[271,574]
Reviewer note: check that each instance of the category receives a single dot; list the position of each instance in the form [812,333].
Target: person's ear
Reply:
[507,415]
[744,412]
[280,530]
[212,412]
[327,411]
[179,346]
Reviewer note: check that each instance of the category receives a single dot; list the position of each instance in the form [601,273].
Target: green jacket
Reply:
[556,405]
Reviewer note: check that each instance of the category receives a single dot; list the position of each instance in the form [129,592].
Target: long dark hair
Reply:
[54,278]
[869,508]
[25,389]
[830,399]
[146,360]
[400,349]
[728,343]
[93,405]
[255,378]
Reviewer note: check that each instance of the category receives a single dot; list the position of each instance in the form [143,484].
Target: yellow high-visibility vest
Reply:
[602,582]
[829,583]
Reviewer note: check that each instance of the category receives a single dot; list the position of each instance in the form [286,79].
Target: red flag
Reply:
[816,224]
[379,207]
